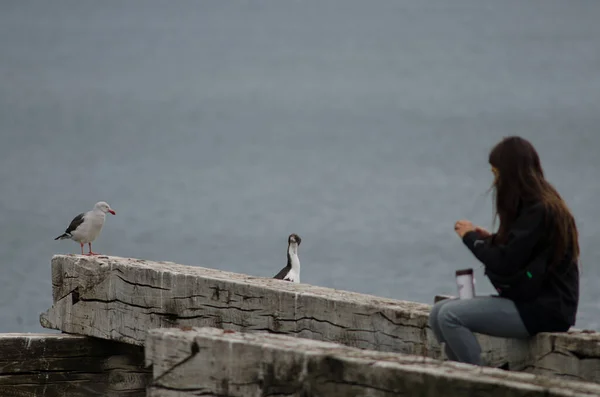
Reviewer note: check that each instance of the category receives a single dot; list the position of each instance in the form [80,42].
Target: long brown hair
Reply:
[520,180]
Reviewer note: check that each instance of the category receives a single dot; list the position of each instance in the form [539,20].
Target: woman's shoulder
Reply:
[532,216]
[533,208]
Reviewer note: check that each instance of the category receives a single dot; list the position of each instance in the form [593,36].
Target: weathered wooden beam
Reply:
[121,299]
[209,361]
[61,365]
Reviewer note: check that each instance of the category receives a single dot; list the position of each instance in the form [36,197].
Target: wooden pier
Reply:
[193,325]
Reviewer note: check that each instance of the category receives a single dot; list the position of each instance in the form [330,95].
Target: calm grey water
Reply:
[215,129]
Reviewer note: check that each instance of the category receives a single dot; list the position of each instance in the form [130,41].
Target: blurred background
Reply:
[215,129]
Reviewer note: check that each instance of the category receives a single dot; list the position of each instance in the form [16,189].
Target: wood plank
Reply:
[121,299]
[61,365]
[209,361]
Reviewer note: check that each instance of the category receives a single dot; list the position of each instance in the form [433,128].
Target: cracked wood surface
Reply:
[121,299]
[60,365]
[208,361]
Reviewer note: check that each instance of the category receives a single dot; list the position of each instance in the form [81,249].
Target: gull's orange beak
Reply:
[112,212]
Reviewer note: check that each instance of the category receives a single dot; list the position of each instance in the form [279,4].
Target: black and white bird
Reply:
[291,272]
[85,227]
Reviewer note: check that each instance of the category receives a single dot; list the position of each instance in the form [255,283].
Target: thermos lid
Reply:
[464,272]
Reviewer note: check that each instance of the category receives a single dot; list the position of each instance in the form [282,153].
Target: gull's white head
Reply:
[104,207]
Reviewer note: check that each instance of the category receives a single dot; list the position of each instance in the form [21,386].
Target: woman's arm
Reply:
[508,258]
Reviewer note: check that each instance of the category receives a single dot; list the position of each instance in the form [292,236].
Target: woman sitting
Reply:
[532,260]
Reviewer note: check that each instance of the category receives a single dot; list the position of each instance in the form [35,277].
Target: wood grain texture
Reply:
[209,361]
[121,299]
[61,365]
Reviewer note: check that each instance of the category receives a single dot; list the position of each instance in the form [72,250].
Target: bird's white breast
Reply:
[294,273]
[89,230]
[293,276]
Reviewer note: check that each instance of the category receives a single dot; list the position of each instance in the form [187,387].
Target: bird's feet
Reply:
[90,249]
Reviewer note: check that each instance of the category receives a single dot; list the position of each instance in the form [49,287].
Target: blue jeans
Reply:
[453,322]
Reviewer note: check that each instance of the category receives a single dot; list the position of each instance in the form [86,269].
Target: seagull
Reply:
[85,227]
[292,270]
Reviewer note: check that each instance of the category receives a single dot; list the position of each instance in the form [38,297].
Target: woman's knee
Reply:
[447,316]
[435,313]
[432,321]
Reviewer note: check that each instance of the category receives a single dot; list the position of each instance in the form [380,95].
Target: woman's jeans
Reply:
[453,322]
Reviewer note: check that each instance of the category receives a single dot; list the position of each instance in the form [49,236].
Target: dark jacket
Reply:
[553,307]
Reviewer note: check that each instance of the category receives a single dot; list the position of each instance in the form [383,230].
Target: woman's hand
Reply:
[463,227]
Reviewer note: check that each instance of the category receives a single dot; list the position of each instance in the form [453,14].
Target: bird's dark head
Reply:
[294,239]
